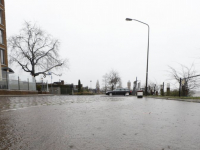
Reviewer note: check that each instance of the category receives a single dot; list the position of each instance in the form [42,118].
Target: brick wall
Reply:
[15,92]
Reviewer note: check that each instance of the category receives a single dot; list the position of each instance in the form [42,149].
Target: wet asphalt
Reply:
[98,123]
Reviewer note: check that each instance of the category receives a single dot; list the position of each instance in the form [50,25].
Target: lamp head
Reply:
[129,19]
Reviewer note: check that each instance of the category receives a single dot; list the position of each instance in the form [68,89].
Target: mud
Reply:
[98,123]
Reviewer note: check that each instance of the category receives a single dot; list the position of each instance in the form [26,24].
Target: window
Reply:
[1,12]
[2,54]
[1,36]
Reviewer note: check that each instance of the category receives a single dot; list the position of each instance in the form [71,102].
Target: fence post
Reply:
[163,89]
[18,83]
[168,89]
[7,78]
[28,84]
[180,88]
[47,87]
[35,84]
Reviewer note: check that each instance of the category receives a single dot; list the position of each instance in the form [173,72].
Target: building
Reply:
[129,85]
[4,69]
[59,83]
[10,87]
[61,88]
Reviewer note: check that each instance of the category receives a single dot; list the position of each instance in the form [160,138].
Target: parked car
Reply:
[120,91]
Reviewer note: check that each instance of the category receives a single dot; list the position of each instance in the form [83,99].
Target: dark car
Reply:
[120,91]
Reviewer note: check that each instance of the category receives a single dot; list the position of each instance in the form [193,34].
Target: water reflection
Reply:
[98,122]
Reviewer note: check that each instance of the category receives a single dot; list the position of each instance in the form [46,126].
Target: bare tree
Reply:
[113,79]
[188,76]
[119,84]
[35,51]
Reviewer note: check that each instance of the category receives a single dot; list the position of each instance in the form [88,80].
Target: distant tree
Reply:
[120,84]
[113,79]
[35,51]
[79,86]
[189,77]
[97,86]
[152,87]
[38,87]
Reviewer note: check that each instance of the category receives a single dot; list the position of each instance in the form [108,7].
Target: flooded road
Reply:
[98,123]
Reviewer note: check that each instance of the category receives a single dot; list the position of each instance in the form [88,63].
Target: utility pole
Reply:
[180,88]
[163,89]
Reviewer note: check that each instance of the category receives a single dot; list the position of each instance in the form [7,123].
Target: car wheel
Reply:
[110,94]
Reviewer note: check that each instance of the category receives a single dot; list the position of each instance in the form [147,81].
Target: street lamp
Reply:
[90,84]
[129,19]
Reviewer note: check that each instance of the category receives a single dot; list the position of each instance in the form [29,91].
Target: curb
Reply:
[185,100]
[34,95]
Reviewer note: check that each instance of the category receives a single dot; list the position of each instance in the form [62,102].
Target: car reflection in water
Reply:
[120,91]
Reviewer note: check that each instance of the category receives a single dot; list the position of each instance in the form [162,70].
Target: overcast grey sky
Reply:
[96,38]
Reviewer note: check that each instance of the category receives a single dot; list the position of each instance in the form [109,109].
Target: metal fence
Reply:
[17,84]
[55,90]
[3,83]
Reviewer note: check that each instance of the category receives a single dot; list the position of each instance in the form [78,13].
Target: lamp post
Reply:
[129,19]
[90,84]
[50,73]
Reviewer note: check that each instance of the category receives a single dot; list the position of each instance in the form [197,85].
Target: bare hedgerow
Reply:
[189,76]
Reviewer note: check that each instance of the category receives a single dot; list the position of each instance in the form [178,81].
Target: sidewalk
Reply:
[177,99]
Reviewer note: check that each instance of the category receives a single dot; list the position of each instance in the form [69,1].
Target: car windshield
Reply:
[121,90]
[117,90]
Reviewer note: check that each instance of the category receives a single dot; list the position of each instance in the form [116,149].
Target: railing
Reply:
[3,84]
[17,84]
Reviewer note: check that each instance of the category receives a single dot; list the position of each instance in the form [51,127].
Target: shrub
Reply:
[38,87]
[174,93]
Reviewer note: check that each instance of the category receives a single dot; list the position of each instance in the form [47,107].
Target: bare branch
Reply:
[35,51]
[188,74]
[112,79]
